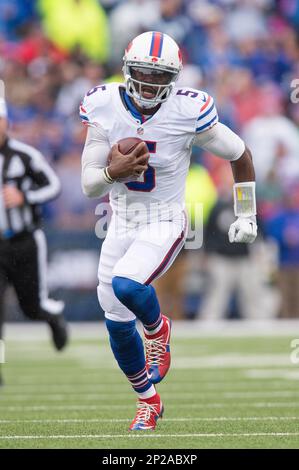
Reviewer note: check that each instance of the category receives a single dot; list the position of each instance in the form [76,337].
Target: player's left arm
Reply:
[223,142]
[244,229]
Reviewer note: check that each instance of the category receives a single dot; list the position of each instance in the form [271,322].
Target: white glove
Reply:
[243,230]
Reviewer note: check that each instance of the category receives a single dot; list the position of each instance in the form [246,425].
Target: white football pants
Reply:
[141,253]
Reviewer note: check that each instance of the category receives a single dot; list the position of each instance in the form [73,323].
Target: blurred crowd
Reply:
[244,52]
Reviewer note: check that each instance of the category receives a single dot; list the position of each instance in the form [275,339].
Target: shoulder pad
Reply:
[196,106]
[95,102]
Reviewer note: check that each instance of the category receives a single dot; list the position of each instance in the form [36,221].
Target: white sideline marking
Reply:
[126,420]
[176,406]
[132,436]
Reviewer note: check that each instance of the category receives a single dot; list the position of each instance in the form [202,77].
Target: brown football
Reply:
[125,147]
[128,144]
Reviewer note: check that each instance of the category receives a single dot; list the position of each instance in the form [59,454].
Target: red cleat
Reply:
[149,410]
[157,351]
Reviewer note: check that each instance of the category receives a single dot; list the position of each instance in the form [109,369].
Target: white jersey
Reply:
[169,134]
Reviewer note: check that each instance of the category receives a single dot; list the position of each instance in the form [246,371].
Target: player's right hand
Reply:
[132,164]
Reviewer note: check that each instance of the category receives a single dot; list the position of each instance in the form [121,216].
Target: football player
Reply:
[142,244]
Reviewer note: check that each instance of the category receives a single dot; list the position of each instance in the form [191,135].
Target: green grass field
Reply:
[223,391]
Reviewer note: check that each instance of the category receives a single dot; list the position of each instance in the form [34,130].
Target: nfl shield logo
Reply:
[140,130]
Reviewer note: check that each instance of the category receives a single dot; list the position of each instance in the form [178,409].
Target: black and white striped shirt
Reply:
[25,168]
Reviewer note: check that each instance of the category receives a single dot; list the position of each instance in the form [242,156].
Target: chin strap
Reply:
[244,199]
[143,104]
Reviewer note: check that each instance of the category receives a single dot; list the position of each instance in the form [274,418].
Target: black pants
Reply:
[23,265]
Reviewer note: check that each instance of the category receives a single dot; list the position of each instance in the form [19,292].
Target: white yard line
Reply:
[231,361]
[150,435]
[126,420]
[207,384]
[277,394]
[174,405]
[270,374]
[170,395]
[95,330]
[92,359]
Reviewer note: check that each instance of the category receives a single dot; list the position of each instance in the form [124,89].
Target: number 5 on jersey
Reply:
[149,177]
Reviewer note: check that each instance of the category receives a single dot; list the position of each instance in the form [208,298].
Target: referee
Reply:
[26,180]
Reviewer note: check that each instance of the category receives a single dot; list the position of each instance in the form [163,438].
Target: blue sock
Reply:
[127,347]
[140,299]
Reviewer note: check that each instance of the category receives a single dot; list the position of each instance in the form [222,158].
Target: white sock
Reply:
[153,332]
[151,392]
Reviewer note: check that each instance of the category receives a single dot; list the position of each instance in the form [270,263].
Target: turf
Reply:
[222,392]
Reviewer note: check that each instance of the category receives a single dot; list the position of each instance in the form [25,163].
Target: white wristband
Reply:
[107,177]
[244,199]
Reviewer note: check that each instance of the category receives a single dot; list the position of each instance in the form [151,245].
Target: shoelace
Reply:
[144,411]
[155,348]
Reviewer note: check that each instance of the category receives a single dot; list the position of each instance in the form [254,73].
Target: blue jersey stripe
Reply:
[84,117]
[131,108]
[135,113]
[206,125]
[207,112]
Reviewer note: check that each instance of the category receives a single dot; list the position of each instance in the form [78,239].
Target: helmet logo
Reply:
[129,46]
